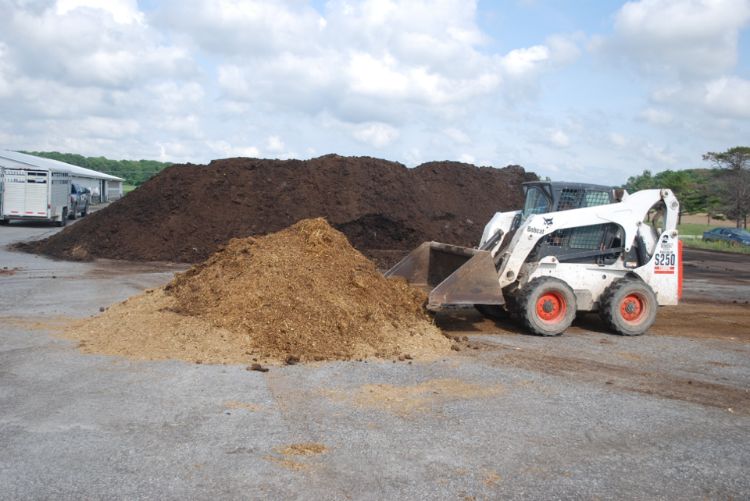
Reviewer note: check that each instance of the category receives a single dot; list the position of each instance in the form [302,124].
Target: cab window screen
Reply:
[594,198]
[583,238]
[570,199]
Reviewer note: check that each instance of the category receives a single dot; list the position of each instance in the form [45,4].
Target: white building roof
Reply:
[14,159]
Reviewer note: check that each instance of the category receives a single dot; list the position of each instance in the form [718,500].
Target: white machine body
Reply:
[661,271]
[573,247]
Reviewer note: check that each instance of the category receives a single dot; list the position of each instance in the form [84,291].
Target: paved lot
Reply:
[586,415]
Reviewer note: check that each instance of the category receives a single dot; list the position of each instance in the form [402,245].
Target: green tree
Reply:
[687,186]
[134,172]
[645,181]
[735,180]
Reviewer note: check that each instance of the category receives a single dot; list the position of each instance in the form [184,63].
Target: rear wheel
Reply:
[547,306]
[492,311]
[64,219]
[628,307]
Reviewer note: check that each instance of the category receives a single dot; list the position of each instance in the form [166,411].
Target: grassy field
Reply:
[716,246]
[691,233]
[694,228]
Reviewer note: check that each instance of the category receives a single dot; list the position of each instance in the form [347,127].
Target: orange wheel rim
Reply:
[550,307]
[632,308]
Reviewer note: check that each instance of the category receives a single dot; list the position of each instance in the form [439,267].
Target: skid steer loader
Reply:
[573,247]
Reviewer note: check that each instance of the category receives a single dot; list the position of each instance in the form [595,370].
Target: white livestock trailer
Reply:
[29,193]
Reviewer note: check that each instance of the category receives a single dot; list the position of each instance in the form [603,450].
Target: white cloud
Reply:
[551,167]
[244,26]
[6,72]
[177,97]
[467,158]
[522,62]
[457,135]
[81,45]
[94,78]
[559,139]
[103,127]
[376,77]
[658,154]
[412,80]
[686,54]
[122,11]
[378,135]
[656,116]
[728,96]
[564,49]
[618,139]
[722,98]
[174,151]
[374,60]
[274,144]
[225,149]
[233,81]
[687,37]
[415,156]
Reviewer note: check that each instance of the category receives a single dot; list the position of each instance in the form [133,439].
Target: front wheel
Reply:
[547,306]
[628,307]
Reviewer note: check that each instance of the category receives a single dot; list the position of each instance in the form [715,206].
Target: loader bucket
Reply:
[451,275]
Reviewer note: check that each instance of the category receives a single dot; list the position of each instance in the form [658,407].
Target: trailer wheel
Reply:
[492,311]
[547,306]
[628,307]
[64,219]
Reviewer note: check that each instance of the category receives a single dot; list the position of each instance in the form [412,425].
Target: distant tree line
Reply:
[723,190]
[134,172]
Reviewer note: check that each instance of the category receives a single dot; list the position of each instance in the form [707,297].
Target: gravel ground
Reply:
[585,415]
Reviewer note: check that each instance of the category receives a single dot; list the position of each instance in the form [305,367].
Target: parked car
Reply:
[79,201]
[734,236]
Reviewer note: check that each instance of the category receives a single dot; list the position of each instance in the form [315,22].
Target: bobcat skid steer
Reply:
[573,247]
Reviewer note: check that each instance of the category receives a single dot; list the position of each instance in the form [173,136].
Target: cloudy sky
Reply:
[576,90]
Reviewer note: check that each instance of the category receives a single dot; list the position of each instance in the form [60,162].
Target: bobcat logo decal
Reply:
[548,222]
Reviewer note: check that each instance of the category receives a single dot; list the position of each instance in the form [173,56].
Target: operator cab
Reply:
[545,196]
[600,243]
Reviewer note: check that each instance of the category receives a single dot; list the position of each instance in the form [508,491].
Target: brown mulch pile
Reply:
[187,211]
[301,294]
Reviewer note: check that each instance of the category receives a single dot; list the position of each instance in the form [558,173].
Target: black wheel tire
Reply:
[85,211]
[73,215]
[3,222]
[511,304]
[628,307]
[64,220]
[546,306]
[492,311]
